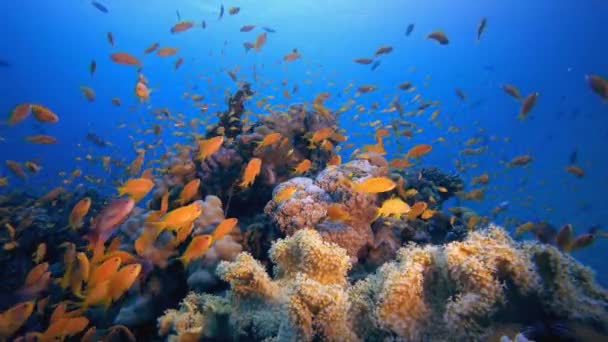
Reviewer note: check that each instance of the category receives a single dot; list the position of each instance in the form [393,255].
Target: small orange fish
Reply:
[41,139]
[564,238]
[302,167]
[142,92]
[375,185]
[575,170]
[512,91]
[224,228]
[136,164]
[207,147]
[16,168]
[234,10]
[481,179]
[270,139]
[336,212]
[292,56]
[97,295]
[79,211]
[439,36]
[13,318]
[285,193]
[416,210]
[247,28]
[197,247]
[260,41]
[19,113]
[521,160]
[400,163]
[419,150]
[182,26]
[335,160]
[124,58]
[252,170]
[123,280]
[366,88]
[166,51]
[598,84]
[383,50]
[189,191]
[527,105]
[103,272]
[151,48]
[181,217]
[475,194]
[136,188]
[43,114]
[64,327]
[40,253]
[88,93]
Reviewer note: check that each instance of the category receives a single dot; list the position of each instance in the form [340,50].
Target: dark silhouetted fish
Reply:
[409,30]
[573,157]
[204,25]
[179,17]
[375,65]
[97,140]
[269,30]
[221,12]
[99,6]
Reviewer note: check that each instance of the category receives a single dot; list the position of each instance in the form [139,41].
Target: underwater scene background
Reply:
[303,170]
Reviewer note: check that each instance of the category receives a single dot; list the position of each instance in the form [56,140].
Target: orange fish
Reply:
[19,113]
[103,272]
[335,160]
[151,48]
[123,280]
[197,247]
[234,10]
[336,212]
[182,26]
[575,170]
[97,295]
[166,51]
[292,56]
[181,217]
[270,139]
[16,168]
[40,253]
[178,63]
[247,28]
[260,41]
[252,170]
[416,210]
[136,164]
[43,114]
[439,36]
[189,191]
[207,147]
[400,163]
[522,160]
[375,185]
[302,167]
[79,211]
[598,84]
[62,328]
[527,105]
[224,228]
[136,188]
[41,139]
[13,318]
[88,93]
[142,92]
[419,150]
[285,193]
[512,91]
[383,50]
[124,58]
[481,179]
[108,219]
[366,88]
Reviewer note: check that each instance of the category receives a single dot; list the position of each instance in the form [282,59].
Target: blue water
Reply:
[543,46]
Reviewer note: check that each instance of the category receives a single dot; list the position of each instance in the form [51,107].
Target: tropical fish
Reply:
[234,10]
[181,217]
[416,210]
[43,114]
[285,193]
[124,58]
[247,28]
[481,28]
[269,30]
[598,84]
[19,113]
[260,41]
[40,253]
[302,167]
[419,150]
[88,93]
[110,38]
[207,147]
[92,67]
[375,185]
[189,191]
[481,179]
[178,63]
[196,248]
[99,6]
[252,170]
[151,48]
[521,160]
[405,86]
[224,228]
[383,50]
[575,170]
[142,92]
[64,327]
[221,12]
[136,188]
[366,88]
[79,211]
[103,271]
[166,51]
[409,30]
[512,91]
[394,207]
[109,218]
[292,56]
[439,36]
[122,280]
[363,61]
[336,212]
[41,139]
[270,139]
[527,105]
[181,26]
[13,318]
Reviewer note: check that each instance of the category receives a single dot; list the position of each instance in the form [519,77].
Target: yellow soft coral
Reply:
[247,277]
[305,252]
